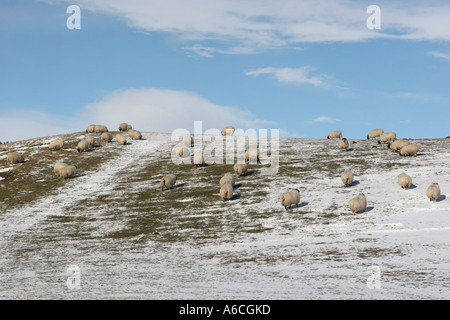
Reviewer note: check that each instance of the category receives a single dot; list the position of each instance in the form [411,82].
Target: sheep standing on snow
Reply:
[290,198]
[56,144]
[226,192]
[120,139]
[409,150]
[240,169]
[168,181]
[434,192]
[375,133]
[335,134]
[398,144]
[14,157]
[252,154]
[68,171]
[358,204]
[347,177]
[404,180]
[188,140]
[182,151]
[227,178]
[91,128]
[387,137]
[100,129]
[228,131]
[343,143]
[82,146]
[134,134]
[107,137]
[90,140]
[124,127]
[58,166]
[199,160]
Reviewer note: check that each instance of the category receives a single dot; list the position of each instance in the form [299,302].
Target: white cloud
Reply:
[324,119]
[439,55]
[259,24]
[297,76]
[208,51]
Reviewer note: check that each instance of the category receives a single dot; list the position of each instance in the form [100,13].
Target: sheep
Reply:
[397,144]
[387,137]
[335,134]
[289,198]
[120,139]
[100,129]
[228,131]
[188,140]
[199,160]
[14,157]
[82,146]
[358,204]
[129,127]
[227,178]
[226,192]
[68,171]
[404,180]
[90,140]
[434,191]
[90,128]
[134,134]
[409,150]
[375,133]
[240,169]
[168,181]
[182,151]
[56,144]
[123,126]
[252,154]
[58,166]
[343,143]
[106,136]
[347,177]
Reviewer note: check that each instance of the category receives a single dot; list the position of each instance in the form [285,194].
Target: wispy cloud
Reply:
[296,76]
[439,55]
[324,119]
[209,51]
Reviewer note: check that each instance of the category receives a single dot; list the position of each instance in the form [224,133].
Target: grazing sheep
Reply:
[347,177]
[100,129]
[433,191]
[199,160]
[56,144]
[228,131]
[58,166]
[120,139]
[335,134]
[226,192]
[106,136]
[188,140]
[68,171]
[134,134]
[123,126]
[91,128]
[358,203]
[343,143]
[168,181]
[398,144]
[90,140]
[290,198]
[387,137]
[129,127]
[82,146]
[227,178]
[14,157]
[404,180]
[252,154]
[409,150]
[375,133]
[182,151]
[240,169]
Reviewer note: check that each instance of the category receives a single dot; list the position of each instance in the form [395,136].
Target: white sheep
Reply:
[120,139]
[227,178]
[398,144]
[228,131]
[56,144]
[91,128]
[199,160]
[68,171]
[335,134]
[387,137]
[434,191]
[134,134]
[240,169]
[14,157]
[290,198]
[343,143]
[123,126]
[100,129]
[252,154]
[347,177]
[404,180]
[182,151]
[82,146]
[168,181]
[188,140]
[358,204]
[375,133]
[106,136]
[409,150]
[58,166]
[90,140]
[226,192]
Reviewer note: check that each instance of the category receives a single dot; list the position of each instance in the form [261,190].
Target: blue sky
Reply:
[304,67]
